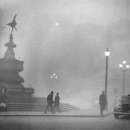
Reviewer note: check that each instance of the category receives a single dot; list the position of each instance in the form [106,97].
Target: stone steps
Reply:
[36,107]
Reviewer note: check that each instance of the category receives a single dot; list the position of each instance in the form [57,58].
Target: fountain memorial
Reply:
[12,91]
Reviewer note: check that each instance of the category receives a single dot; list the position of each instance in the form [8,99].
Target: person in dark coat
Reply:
[57,102]
[3,100]
[50,102]
[102,102]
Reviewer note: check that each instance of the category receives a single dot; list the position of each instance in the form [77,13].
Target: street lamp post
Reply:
[124,66]
[107,54]
[54,77]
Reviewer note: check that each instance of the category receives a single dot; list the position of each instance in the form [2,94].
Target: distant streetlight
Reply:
[54,77]
[57,24]
[124,66]
[107,54]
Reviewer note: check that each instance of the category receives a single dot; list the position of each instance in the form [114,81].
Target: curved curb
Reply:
[55,115]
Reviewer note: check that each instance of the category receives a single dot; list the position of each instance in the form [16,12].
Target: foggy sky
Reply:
[74,50]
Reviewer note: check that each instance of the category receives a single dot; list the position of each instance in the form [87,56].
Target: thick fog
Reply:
[68,38]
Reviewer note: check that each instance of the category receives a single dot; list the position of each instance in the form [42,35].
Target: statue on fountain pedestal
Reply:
[13,24]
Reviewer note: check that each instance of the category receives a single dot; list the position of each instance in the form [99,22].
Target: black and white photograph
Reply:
[64,64]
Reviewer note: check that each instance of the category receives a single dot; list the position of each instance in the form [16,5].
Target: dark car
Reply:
[123,107]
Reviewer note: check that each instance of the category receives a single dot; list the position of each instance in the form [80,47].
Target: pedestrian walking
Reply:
[102,102]
[57,102]
[50,102]
[3,100]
